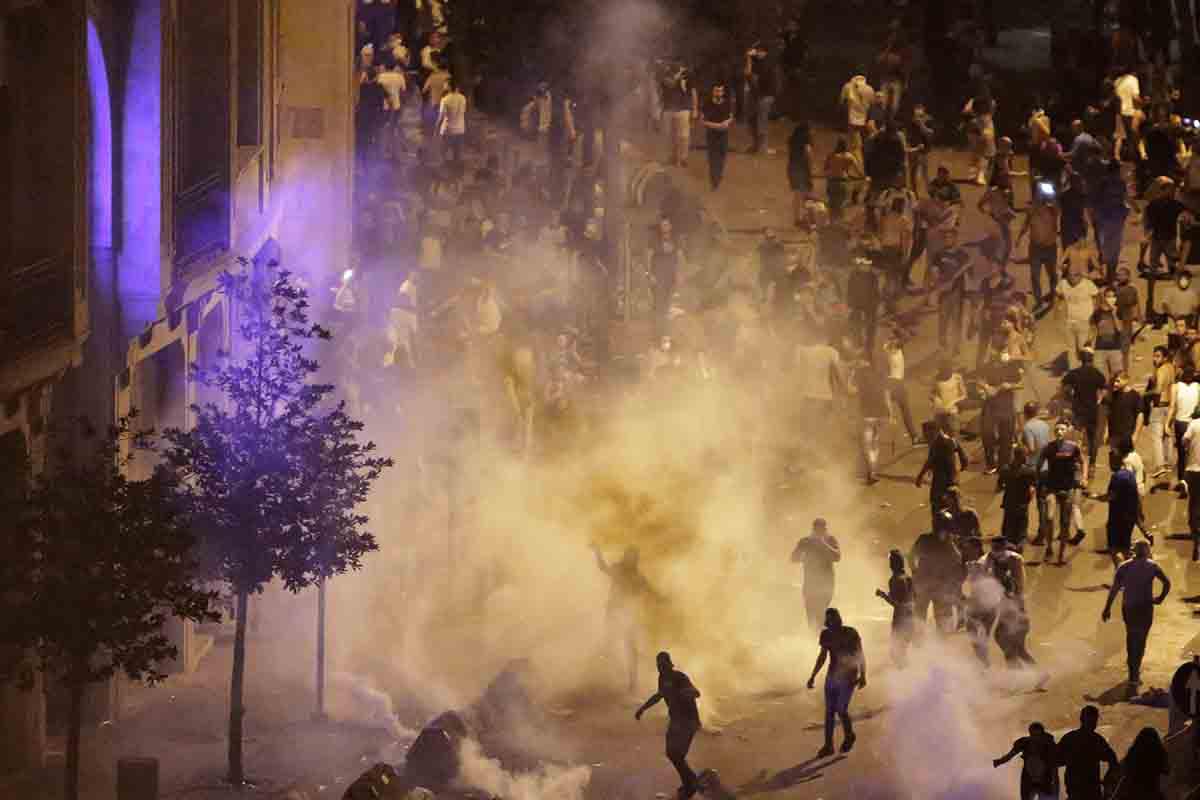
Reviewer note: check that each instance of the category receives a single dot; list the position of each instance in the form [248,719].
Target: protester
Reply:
[1135,580]
[799,169]
[717,118]
[842,646]
[1039,769]
[1082,751]
[901,596]
[629,592]
[938,573]
[1018,482]
[817,553]
[1065,469]
[676,689]
[1143,769]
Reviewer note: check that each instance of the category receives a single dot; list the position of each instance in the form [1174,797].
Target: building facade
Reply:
[146,145]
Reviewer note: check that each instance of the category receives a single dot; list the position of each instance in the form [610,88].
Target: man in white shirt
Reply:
[820,374]
[1078,294]
[857,97]
[1128,91]
[394,85]
[452,121]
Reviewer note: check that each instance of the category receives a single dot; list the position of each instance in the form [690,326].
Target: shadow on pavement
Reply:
[1120,693]
[793,776]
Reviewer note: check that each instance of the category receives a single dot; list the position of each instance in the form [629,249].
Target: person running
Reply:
[1064,467]
[842,646]
[1136,579]
[680,695]
[628,592]
[946,457]
[1082,751]
[817,552]
[901,597]
[1039,770]
[1012,620]
[938,573]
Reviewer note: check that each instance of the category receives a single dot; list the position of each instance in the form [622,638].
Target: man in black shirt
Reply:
[1018,481]
[1062,463]
[946,457]
[717,118]
[937,573]
[683,718]
[842,645]
[1124,419]
[1082,751]
[1084,385]
[1000,380]
[1162,227]
[863,296]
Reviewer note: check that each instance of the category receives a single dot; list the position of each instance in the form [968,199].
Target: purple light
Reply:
[101,157]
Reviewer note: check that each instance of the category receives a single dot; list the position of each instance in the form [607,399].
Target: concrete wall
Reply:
[316,72]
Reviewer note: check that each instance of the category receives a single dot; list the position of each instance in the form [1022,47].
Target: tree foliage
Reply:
[273,469]
[106,560]
[96,563]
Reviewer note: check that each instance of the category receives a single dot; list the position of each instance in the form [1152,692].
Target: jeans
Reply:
[838,693]
[1161,445]
[999,426]
[454,146]
[1015,526]
[1078,333]
[718,147]
[1138,620]
[1065,501]
[679,740]
[950,323]
[1109,236]
[864,322]
[1110,362]
[1091,429]
[899,394]
[1163,248]
[759,122]
[1043,257]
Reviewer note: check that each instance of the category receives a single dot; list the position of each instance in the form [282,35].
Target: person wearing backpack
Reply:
[1039,773]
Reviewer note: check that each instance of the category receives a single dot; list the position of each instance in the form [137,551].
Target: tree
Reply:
[259,467]
[103,560]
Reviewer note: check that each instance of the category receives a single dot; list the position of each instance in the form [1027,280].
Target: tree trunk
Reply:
[74,727]
[320,715]
[237,775]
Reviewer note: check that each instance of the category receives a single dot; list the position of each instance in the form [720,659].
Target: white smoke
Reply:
[549,782]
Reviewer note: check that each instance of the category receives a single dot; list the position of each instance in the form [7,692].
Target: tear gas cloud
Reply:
[487,556]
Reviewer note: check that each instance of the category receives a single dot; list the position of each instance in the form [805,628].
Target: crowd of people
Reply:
[484,256]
